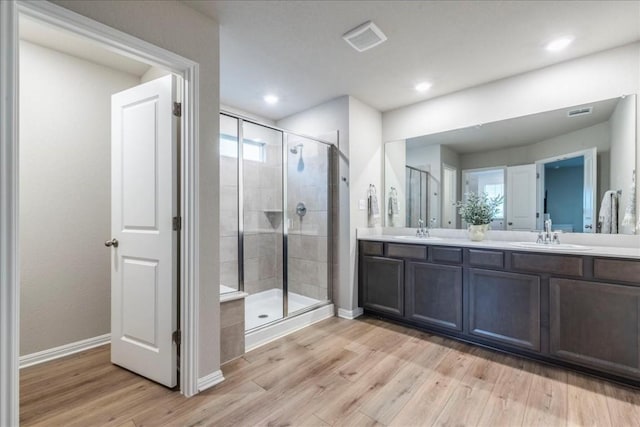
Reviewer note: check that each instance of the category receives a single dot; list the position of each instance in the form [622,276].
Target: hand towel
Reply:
[608,216]
[374,208]
[628,225]
[394,210]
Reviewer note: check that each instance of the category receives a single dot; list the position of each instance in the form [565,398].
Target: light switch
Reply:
[362,204]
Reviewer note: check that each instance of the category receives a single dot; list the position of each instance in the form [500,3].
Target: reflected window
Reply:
[493,191]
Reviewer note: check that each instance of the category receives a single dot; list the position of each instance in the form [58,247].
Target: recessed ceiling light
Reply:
[271,99]
[559,44]
[423,87]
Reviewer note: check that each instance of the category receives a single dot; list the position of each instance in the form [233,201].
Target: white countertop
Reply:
[593,250]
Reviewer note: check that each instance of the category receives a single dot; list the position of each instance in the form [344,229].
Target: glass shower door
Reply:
[308,218]
[261,233]
[229,271]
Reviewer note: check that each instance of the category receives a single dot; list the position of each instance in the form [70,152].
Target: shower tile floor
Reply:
[266,307]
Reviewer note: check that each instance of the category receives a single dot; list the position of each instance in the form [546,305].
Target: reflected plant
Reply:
[479,209]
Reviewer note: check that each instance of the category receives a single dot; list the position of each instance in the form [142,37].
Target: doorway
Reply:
[115,41]
[99,165]
[567,191]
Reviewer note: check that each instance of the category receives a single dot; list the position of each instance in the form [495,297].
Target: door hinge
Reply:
[176,336]
[177,109]
[177,223]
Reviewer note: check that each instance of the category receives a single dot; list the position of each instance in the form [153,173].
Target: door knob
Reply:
[113,242]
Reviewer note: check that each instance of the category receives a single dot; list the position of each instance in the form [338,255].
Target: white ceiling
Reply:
[295,48]
[519,131]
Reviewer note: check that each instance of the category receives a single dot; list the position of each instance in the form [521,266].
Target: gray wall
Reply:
[180,29]
[593,136]
[65,184]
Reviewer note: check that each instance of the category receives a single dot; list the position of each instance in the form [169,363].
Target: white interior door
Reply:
[589,197]
[521,197]
[449,196]
[143,204]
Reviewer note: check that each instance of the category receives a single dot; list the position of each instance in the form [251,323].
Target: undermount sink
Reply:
[551,246]
[416,238]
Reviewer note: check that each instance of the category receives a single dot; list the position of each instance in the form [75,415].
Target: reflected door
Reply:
[521,198]
[449,196]
[590,190]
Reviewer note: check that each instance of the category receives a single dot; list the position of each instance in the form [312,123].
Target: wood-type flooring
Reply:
[338,372]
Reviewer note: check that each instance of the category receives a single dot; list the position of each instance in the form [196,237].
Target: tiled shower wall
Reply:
[308,249]
[263,221]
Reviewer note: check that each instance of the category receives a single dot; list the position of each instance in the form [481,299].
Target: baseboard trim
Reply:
[350,314]
[210,380]
[63,350]
[278,330]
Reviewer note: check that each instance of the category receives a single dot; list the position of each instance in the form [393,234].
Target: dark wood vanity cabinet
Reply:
[382,285]
[596,325]
[577,311]
[433,295]
[505,307]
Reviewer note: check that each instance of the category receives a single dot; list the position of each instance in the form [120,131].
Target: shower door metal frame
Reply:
[285,217]
[426,192]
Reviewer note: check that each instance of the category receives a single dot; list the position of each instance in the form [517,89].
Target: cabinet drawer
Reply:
[444,254]
[552,264]
[406,251]
[371,248]
[617,270]
[481,258]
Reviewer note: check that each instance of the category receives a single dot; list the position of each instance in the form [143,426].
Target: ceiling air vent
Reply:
[365,36]
[579,111]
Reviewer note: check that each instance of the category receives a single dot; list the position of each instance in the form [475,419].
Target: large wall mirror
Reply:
[575,166]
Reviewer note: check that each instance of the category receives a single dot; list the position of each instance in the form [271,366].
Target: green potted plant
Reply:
[478,210]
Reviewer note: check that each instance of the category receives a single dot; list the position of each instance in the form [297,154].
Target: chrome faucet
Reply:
[422,231]
[547,231]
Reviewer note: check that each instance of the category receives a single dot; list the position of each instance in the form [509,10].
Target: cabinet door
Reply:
[505,307]
[434,295]
[383,285]
[596,325]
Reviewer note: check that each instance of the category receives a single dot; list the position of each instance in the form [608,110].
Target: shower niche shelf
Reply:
[274,216]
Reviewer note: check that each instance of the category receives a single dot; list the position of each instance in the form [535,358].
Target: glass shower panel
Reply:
[417,196]
[308,211]
[262,227]
[228,204]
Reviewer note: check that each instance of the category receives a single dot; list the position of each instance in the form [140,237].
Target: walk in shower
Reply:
[275,219]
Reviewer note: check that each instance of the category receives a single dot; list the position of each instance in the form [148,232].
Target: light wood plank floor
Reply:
[338,372]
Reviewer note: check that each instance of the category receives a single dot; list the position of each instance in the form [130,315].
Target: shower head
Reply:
[294,149]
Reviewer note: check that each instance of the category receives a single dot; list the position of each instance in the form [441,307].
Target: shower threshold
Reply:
[266,307]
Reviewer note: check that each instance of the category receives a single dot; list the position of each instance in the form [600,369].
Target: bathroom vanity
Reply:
[575,309]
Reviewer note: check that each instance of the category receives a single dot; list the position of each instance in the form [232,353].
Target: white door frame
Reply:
[540,184]
[9,246]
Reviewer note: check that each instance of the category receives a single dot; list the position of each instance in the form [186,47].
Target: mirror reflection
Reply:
[574,166]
